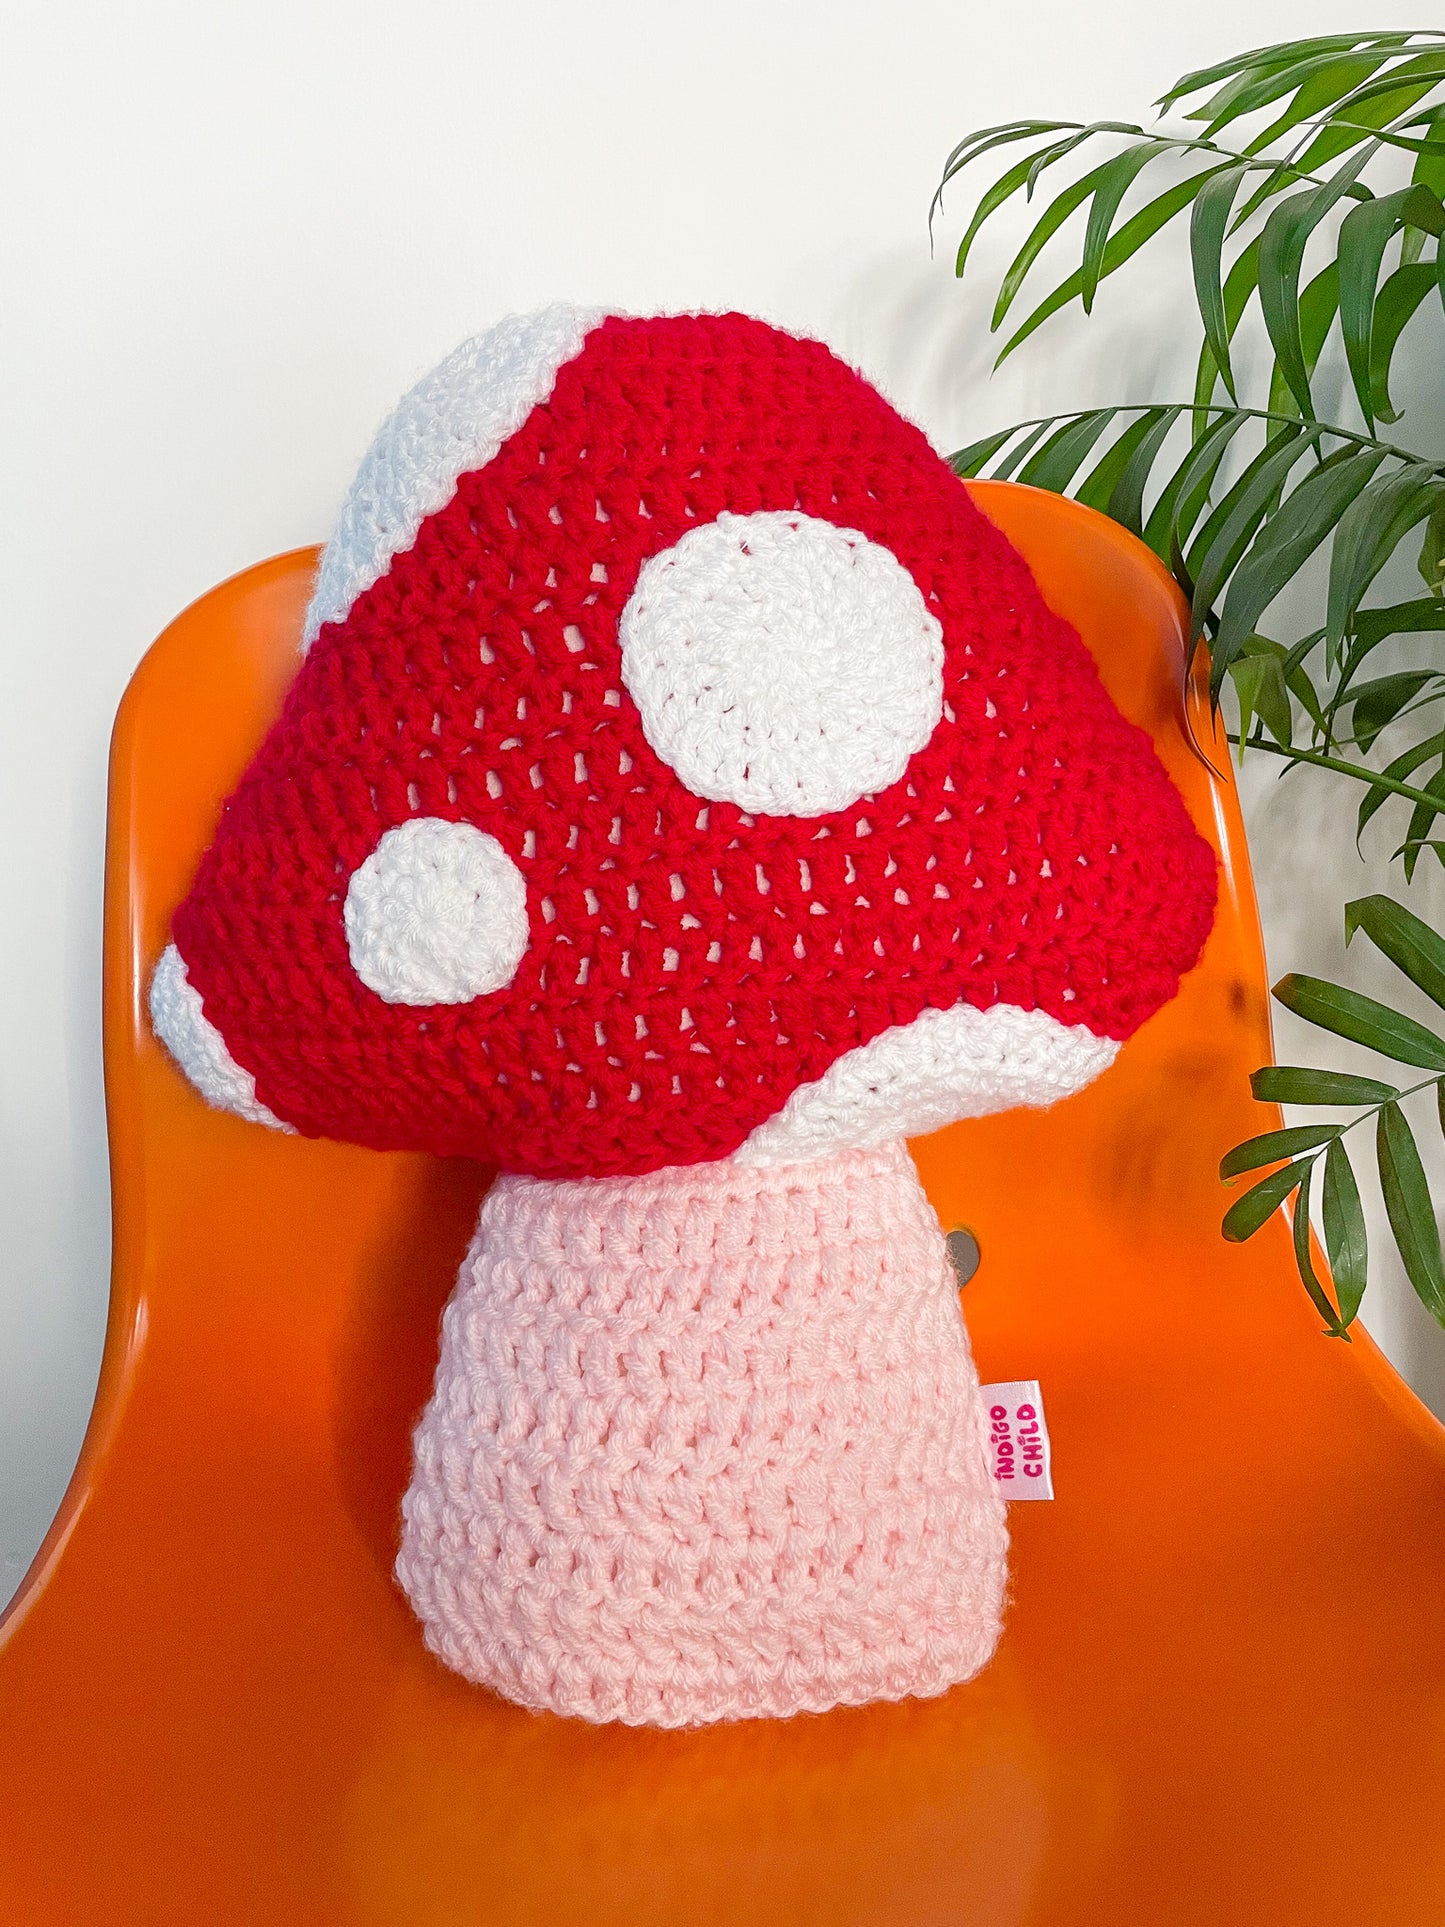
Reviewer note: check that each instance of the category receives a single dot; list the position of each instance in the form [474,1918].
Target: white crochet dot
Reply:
[782,663]
[437,914]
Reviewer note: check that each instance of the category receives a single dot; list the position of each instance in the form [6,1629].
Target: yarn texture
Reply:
[684,795]
[915,1078]
[180,1021]
[782,663]
[707,1445]
[437,914]
[455,419]
[690,962]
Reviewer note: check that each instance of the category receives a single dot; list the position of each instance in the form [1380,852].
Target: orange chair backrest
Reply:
[1220,1695]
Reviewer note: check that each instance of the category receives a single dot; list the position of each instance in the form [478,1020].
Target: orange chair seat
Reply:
[1220,1696]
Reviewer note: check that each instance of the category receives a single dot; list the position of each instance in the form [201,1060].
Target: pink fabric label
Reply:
[1018,1439]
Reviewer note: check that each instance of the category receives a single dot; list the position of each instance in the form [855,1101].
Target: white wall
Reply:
[233,234]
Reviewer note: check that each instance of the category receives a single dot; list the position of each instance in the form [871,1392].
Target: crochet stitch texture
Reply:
[686,795]
[709,1447]
[689,963]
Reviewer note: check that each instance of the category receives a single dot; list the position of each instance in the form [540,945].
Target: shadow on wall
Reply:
[923,337]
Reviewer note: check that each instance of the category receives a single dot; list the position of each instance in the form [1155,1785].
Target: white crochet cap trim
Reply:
[782,662]
[199,1048]
[453,421]
[918,1077]
[437,914]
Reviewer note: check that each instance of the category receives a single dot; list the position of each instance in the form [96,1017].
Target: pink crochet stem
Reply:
[707,1445]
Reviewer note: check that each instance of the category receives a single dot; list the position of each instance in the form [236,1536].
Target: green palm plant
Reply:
[1312,174]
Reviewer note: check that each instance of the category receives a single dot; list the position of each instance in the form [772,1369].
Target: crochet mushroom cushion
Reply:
[684,797]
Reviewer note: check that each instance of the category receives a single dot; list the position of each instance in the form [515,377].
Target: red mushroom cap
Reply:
[677,906]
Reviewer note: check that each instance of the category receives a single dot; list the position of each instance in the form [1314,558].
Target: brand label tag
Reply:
[1018,1439]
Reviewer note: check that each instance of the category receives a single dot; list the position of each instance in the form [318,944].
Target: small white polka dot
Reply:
[782,663]
[437,914]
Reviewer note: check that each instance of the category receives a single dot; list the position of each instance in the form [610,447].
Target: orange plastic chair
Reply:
[1220,1696]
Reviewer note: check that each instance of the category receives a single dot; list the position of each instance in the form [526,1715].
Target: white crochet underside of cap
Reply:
[198,1047]
[454,421]
[915,1078]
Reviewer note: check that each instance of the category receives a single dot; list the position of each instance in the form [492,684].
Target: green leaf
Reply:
[1283,55]
[1254,87]
[1401,769]
[1290,1084]
[1019,453]
[1346,690]
[1393,137]
[1232,526]
[1372,105]
[1318,306]
[1117,178]
[1412,246]
[1207,227]
[1051,156]
[1272,1146]
[1276,180]
[1370,530]
[1286,543]
[1044,229]
[1172,514]
[999,135]
[1138,229]
[1395,305]
[982,142]
[1422,820]
[1401,618]
[1377,703]
[1432,571]
[1259,1204]
[1260,686]
[1304,1258]
[1278,56]
[1249,94]
[1414,847]
[1270,692]
[1126,504]
[1389,95]
[1054,465]
[1358,118]
[1364,235]
[1322,90]
[971,460]
[1281,254]
[1239,285]
[1344,1228]
[1021,175]
[1098,486]
[1348,1014]
[1429,168]
[1412,946]
[1410,1211]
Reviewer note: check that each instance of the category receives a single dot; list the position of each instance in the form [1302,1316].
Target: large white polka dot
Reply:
[782,663]
[437,914]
